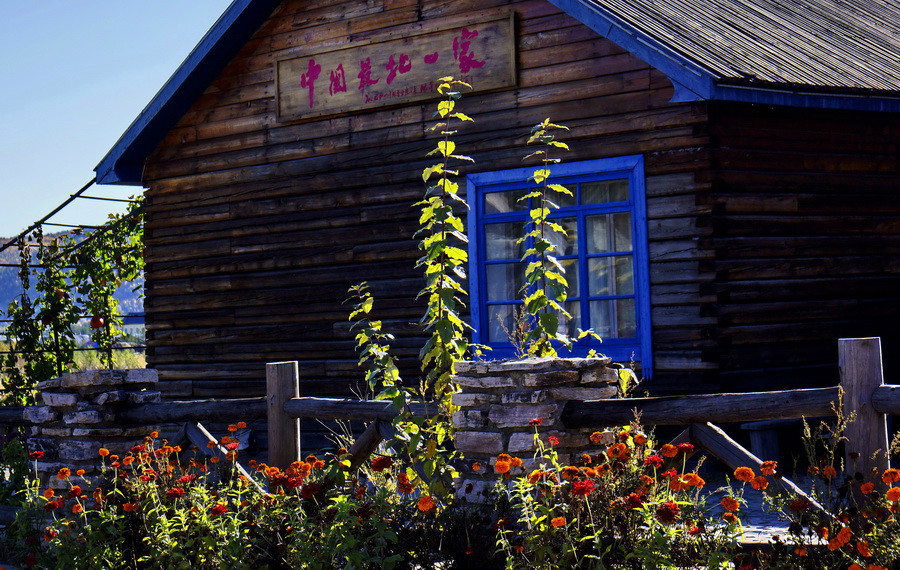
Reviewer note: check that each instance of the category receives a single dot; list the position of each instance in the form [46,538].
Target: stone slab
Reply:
[583,393]
[59,399]
[529,397]
[470,399]
[484,382]
[40,414]
[518,415]
[551,378]
[479,442]
[599,376]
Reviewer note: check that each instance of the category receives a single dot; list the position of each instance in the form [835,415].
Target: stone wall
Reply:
[77,418]
[499,399]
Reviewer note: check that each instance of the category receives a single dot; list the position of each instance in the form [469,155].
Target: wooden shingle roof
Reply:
[834,45]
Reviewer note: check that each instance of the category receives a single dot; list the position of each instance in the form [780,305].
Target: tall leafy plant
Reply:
[443,243]
[545,282]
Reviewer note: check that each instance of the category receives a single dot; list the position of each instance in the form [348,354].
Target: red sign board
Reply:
[396,71]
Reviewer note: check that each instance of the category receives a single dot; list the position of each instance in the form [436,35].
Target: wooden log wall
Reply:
[255,229]
[806,220]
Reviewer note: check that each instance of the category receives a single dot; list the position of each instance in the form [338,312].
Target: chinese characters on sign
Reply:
[396,71]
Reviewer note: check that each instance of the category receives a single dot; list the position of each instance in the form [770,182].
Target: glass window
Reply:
[603,250]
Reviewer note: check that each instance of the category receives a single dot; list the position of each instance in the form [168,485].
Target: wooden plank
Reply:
[684,410]
[732,454]
[860,364]
[886,399]
[195,410]
[350,409]
[282,384]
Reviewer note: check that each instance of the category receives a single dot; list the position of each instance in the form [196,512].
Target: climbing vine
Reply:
[64,279]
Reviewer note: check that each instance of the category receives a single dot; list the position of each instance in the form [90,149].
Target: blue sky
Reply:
[73,75]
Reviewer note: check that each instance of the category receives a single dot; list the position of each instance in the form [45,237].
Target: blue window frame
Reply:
[604,253]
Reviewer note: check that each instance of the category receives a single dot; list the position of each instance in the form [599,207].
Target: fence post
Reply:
[861,374]
[282,384]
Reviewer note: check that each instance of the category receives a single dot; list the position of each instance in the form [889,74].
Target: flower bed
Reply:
[623,504]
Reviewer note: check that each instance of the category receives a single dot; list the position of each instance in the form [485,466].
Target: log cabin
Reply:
[734,167]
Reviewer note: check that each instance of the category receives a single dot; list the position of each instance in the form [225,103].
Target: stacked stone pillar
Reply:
[499,399]
[78,417]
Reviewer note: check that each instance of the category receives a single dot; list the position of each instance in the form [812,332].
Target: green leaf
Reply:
[549,322]
[540,175]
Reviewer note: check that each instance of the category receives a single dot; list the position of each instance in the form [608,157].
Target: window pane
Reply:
[600,322]
[604,191]
[500,240]
[626,319]
[622,231]
[571,267]
[500,316]
[571,325]
[503,202]
[624,268]
[504,281]
[564,200]
[611,275]
[565,244]
[597,228]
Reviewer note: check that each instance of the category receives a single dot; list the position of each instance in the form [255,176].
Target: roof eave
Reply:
[124,163]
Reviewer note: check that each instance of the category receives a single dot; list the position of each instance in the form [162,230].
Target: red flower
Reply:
[686,448]
[553,440]
[175,493]
[308,490]
[381,463]
[583,488]
[801,504]
[654,461]
[36,454]
[634,500]
[52,505]
[667,513]
[218,509]
[535,422]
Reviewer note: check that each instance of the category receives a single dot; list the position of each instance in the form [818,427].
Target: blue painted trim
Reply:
[630,167]
[806,99]
[124,163]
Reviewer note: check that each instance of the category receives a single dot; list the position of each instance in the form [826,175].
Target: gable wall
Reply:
[255,229]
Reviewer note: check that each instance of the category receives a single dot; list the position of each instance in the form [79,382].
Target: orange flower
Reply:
[693,480]
[425,503]
[729,517]
[730,504]
[476,466]
[801,551]
[744,474]
[210,444]
[516,462]
[504,457]
[77,508]
[502,466]
[768,467]
[232,428]
[557,522]
[863,548]
[623,436]
[867,488]
[891,476]
[640,439]
[597,438]
[214,459]
[80,472]
[49,493]
[759,483]
[893,494]
[243,425]
[154,434]
[63,474]
[668,450]
[647,480]
[842,538]
[829,472]
[535,476]
[128,460]
[103,452]
[617,451]
[854,566]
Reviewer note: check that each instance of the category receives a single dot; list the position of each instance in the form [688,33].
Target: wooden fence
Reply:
[864,394]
